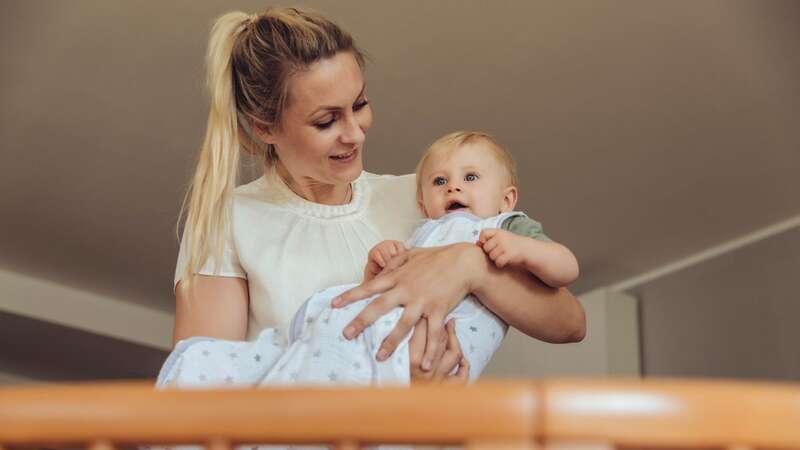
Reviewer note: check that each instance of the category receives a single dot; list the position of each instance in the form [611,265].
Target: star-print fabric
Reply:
[314,351]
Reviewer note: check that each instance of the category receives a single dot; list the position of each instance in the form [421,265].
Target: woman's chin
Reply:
[348,172]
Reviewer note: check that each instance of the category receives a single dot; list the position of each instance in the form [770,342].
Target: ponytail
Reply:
[209,193]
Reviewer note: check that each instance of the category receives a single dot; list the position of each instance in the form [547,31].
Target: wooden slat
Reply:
[347,445]
[500,445]
[135,413]
[101,445]
[218,444]
[673,413]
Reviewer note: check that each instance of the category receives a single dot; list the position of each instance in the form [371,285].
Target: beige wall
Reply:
[733,316]
[610,347]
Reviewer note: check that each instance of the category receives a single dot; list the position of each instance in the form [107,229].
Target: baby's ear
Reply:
[421,206]
[509,199]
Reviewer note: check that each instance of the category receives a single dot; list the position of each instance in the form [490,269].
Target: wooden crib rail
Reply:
[669,414]
[674,414]
[496,414]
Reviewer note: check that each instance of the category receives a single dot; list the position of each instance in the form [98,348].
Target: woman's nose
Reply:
[352,133]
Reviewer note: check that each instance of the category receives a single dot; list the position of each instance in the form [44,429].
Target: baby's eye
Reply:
[439,181]
[471,177]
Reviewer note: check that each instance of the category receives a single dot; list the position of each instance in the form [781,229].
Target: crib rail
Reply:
[674,414]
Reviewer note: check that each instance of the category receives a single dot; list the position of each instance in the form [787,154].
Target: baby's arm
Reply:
[551,262]
[380,255]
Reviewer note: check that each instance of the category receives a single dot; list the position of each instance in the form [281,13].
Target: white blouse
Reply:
[288,248]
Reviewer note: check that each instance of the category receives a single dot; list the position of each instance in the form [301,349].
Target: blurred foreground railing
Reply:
[493,415]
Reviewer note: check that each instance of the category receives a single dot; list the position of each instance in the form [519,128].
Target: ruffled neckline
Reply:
[278,189]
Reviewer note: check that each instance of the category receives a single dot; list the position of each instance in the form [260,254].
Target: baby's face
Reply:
[468,178]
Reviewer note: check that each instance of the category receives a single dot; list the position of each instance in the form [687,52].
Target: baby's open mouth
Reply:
[453,206]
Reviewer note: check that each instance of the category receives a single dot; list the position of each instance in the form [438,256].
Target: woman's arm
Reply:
[525,302]
[215,307]
[431,282]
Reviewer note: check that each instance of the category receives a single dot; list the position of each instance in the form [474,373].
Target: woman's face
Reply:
[321,137]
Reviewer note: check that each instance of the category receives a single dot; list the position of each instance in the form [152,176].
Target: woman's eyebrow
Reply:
[336,108]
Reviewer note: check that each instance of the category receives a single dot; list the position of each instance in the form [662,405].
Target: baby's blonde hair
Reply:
[456,140]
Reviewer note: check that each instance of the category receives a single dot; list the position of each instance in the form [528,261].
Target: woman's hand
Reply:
[444,362]
[428,283]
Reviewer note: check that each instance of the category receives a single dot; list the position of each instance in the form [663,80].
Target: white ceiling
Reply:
[644,131]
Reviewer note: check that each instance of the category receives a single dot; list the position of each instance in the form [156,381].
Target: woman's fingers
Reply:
[372,312]
[407,321]
[462,375]
[452,355]
[363,290]
[416,345]
[435,339]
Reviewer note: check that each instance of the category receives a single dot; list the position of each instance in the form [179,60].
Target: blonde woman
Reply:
[287,85]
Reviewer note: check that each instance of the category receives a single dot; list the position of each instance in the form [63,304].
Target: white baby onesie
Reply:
[317,353]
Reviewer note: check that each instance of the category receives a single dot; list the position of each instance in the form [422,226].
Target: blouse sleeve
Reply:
[229,265]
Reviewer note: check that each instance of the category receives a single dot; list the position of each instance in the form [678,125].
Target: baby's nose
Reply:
[454,188]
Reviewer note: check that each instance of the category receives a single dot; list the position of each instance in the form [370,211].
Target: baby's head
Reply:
[466,171]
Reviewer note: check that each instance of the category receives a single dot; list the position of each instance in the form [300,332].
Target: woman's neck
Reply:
[314,191]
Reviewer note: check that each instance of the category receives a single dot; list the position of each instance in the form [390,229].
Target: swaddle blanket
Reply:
[313,350]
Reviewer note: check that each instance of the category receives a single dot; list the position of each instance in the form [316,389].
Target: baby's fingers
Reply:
[490,244]
[487,234]
[496,253]
[398,247]
[501,260]
[385,254]
[379,259]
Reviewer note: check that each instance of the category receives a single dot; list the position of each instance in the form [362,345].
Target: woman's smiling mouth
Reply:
[345,157]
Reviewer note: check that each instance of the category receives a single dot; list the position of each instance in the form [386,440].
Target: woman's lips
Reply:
[345,157]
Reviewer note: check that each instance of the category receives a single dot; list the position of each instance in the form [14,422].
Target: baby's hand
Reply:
[380,255]
[503,247]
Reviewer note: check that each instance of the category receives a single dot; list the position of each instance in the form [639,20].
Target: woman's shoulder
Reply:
[260,191]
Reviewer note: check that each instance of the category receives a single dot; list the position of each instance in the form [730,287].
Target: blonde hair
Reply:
[249,63]
[455,140]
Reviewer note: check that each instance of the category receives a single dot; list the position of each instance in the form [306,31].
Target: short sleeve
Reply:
[525,226]
[229,265]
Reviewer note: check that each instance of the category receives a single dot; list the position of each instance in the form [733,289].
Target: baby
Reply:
[469,172]
[466,187]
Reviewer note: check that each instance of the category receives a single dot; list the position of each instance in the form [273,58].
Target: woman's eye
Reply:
[359,105]
[324,125]
[470,177]
[439,181]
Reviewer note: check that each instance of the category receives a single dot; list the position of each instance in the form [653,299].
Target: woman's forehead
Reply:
[333,82]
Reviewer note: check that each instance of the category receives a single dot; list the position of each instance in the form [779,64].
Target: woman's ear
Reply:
[263,131]
[509,199]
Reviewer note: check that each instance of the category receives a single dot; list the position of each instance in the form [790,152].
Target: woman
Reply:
[288,85]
